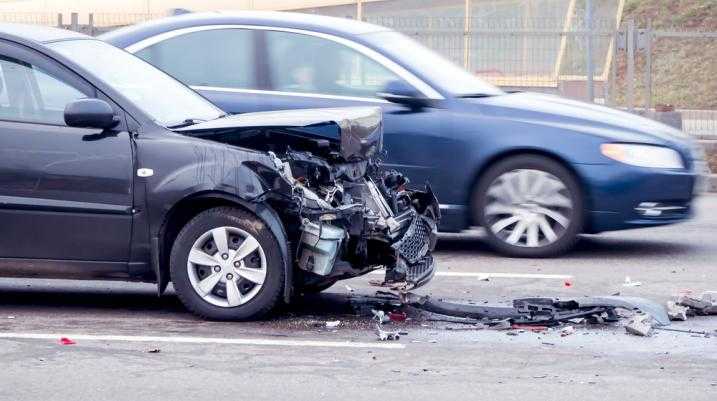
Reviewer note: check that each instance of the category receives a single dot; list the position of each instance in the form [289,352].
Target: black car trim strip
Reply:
[53,205]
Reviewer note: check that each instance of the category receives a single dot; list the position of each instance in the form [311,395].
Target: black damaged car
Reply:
[110,169]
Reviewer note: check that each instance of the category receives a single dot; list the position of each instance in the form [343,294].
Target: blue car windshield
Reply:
[441,71]
[164,99]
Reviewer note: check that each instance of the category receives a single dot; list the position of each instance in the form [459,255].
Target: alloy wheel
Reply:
[227,266]
[528,208]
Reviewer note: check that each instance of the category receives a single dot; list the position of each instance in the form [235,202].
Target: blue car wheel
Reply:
[530,206]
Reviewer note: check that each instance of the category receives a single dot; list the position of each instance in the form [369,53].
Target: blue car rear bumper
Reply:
[616,195]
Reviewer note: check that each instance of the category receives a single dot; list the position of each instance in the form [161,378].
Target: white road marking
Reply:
[202,340]
[484,276]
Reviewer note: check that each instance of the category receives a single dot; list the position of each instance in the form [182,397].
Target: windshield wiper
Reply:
[186,123]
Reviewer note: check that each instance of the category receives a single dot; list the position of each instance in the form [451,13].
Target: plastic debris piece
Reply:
[11,317]
[333,324]
[384,335]
[154,351]
[380,316]
[349,289]
[705,305]
[500,325]
[528,327]
[568,283]
[67,341]
[397,316]
[676,312]
[629,283]
[640,325]
[567,330]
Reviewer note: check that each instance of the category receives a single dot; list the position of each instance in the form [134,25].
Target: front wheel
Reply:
[226,265]
[530,206]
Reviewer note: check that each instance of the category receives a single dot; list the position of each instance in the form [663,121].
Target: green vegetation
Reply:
[684,70]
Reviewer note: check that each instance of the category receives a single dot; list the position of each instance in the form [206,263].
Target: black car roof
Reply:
[317,23]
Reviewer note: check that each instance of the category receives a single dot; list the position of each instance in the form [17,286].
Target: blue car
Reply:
[534,170]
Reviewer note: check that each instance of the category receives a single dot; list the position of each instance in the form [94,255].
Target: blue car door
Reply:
[247,70]
[305,71]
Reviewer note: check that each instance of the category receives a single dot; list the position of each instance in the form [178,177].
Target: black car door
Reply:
[65,193]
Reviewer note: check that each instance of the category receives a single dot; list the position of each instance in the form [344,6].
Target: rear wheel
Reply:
[226,265]
[530,206]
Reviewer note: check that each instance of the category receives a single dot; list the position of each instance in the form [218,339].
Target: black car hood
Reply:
[358,131]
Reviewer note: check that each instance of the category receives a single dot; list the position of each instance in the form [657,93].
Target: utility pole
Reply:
[589,51]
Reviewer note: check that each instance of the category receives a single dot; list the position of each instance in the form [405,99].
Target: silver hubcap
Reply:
[226,266]
[528,208]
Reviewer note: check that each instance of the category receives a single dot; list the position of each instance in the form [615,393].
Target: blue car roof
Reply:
[124,37]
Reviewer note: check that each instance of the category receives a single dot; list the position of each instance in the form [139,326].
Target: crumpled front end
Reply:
[350,225]
[344,215]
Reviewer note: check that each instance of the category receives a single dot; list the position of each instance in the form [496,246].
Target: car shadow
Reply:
[83,299]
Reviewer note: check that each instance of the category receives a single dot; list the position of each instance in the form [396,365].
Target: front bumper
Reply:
[415,265]
[620,197]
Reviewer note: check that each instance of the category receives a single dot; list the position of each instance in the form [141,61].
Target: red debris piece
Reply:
[535,329]
[397,316]
[66,341]
[568,283]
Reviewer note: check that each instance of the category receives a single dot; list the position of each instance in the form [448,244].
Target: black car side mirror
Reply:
[90,113]
[401,93]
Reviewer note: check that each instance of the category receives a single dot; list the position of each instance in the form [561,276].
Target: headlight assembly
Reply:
[642,155]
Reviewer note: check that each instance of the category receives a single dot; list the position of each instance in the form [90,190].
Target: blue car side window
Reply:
[217,58]
[308,64]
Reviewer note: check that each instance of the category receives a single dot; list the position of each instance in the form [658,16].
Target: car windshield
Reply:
[167,101]
[432,65]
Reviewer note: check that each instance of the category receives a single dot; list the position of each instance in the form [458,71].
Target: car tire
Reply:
[226,264]
[530,206]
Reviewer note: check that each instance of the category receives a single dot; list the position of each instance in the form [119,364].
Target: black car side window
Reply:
[215,58]
[29,94]
[308,64]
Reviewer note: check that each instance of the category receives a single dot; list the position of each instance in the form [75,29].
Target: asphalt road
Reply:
[294,356]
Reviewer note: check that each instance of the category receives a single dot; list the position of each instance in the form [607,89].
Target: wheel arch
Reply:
[488,163]
[188,207]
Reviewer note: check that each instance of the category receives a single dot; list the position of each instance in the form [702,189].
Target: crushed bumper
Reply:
[415,265]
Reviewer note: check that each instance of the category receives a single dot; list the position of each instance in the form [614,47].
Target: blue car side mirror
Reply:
[400,92]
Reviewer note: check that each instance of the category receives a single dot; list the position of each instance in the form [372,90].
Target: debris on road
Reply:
[154,351]
[640,325]
[686,331]
[705,305]
[529,327]
[380,316]
[333,324]
[66,341]
[676,312]
[384,335]
[629,283]
[397,316]
[567,330]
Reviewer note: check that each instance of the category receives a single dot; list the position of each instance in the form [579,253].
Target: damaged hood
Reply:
[356,131]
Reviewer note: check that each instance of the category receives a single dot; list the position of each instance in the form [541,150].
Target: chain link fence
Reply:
[576,48]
